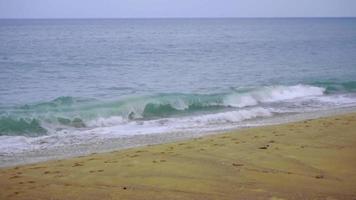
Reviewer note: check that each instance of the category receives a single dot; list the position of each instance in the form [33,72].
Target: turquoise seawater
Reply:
[81,79]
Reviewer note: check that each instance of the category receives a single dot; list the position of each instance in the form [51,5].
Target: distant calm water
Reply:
[75,82]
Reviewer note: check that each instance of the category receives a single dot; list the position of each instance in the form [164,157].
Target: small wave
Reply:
[336,87]
[157,110]
[76,113]
[232,116]
[76,122]
[29,127]
[58,103]
[271,94]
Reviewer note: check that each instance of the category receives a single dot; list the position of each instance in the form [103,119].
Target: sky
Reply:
[175,8]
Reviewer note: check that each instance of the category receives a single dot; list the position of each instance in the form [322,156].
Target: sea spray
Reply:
[83,113]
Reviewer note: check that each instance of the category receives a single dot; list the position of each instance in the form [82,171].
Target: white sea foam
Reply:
[115,127]
[259,104]
[110,121]
[271,94]
[338,99]
[13,144]
[232,116]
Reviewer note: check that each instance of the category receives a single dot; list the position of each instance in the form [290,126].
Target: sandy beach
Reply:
[311,159]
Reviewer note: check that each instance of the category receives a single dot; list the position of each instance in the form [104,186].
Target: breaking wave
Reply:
[232,106]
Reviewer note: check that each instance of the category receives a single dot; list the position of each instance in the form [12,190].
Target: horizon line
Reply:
[110,18]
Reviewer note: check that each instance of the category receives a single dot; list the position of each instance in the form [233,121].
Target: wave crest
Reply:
[75,113]
[271,94]
[29,127]
[233,116]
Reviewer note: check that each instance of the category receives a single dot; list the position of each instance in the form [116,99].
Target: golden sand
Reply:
[313,159]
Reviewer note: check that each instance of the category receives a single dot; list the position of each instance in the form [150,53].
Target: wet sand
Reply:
[311,159]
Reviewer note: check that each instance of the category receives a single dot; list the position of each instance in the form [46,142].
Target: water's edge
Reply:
[109,145]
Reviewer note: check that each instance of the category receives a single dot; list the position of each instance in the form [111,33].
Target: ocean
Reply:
[71,87]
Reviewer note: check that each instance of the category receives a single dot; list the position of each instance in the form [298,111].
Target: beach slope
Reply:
[312,159]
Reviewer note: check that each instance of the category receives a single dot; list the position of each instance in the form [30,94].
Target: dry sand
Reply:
[313,159]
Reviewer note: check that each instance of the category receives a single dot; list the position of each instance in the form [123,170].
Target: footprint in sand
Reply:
[264,147]
[279,134]
[78,165]
[155,161]
[38,168]
[14,177]
[53,172]
[110,161]
[94,171]
[237,164]
[91,159]
[140,151]
[319,176]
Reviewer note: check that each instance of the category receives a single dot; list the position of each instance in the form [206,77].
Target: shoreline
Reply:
[123,143]
[309,159]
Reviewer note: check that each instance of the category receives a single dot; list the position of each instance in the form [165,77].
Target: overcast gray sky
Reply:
[175,8]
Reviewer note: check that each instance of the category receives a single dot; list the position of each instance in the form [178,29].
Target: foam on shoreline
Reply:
[94,144]
[308,159]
